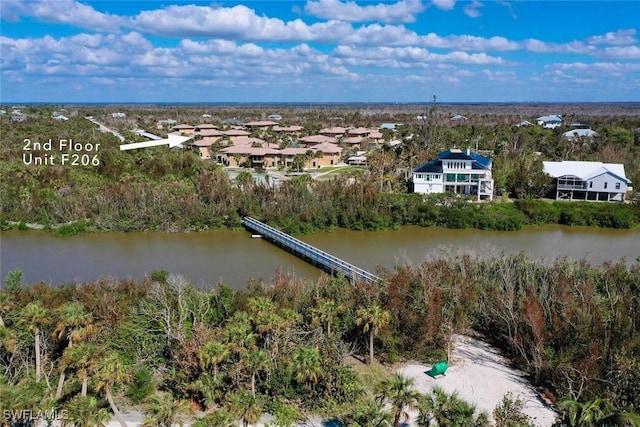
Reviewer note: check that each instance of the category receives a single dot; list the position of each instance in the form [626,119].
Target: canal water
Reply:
[233,257]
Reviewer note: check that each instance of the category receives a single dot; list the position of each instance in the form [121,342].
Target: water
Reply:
[233,257]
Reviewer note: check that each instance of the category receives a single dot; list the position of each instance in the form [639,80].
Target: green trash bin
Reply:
[438,369]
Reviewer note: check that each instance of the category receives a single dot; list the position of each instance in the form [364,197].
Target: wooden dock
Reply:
[311,254]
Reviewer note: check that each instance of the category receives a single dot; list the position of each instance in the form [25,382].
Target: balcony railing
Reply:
[581,186]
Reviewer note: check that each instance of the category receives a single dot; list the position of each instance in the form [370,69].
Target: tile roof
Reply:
[317,139]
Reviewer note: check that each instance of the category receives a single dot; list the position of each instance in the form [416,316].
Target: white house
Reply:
[455,171]
[588,180]
[550,122]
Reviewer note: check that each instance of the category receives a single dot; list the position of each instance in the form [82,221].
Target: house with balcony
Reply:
[588,180]
[455,171]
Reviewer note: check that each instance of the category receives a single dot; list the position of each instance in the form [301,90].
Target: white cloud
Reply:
[238,22]
[404,11]
[409,56]
[614,38]
[467,42]
[574,47]
[500,76]
[618,52]
[444,4]
[63,12]
[603,68]
[378,35]
[472,10]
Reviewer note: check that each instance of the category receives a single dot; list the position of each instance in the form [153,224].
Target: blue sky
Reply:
[319,51]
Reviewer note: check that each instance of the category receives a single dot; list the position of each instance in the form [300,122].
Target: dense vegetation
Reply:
[157,189]
[285,346]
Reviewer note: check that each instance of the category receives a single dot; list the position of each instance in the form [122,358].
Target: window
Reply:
[617,185]
[590,184]
[605,184]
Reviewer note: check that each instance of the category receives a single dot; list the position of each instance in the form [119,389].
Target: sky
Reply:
[64,51]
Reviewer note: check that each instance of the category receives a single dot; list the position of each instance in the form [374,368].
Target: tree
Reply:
[298,162]
[73,324]
[448,410]
[327,311]
[508,413]
[595,413]
[399,392]
[85,359]
[528,179]
[255,362]
[372,319]
[307,365]
[13,281]
[111,373]
[285,416]
[244,179]
[212,354]
[35,316]
[84,411]
[6,304]
[369,413]
[162,410]
[247,407]
[220,418]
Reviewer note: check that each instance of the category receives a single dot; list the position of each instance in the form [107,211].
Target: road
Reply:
[106,129]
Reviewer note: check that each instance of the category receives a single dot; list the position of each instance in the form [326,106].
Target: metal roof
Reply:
[584,170]
[435,165]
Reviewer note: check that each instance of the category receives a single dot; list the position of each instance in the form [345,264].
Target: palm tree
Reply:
[162,410]
[246,407]
[286,415]
[370,413]
[6,304]
[212,354]
[83,411]
[8,339]
[220,418]
[74,323]
[111,373]
[372,319]
[595,413]
[447,410]
[327,311]
[84,358]
[244,179]
[307,365]
[36,317]
[255,362]
[238,334]
[399,392]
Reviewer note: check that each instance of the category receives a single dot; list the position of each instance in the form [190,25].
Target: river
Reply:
[232,257]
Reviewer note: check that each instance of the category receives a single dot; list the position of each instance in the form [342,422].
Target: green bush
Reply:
[72,229]
[141,386]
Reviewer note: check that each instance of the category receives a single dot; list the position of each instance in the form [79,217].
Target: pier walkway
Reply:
[309,253]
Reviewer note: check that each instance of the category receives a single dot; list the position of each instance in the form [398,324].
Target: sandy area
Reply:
[477,372]
[481,376]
